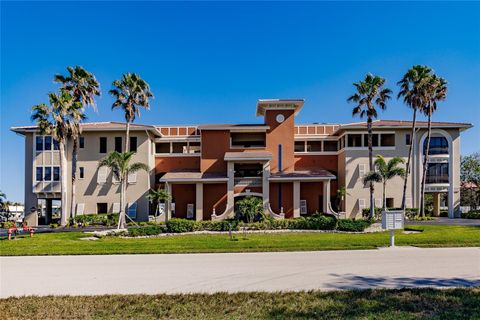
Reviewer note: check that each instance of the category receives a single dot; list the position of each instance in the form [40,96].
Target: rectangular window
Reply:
[314,146]
[103,145]
[162,147]
[390,203]
[56,144]
[437,173]
[330,145]
[39,174]
[248,139]
[374,140]
[48,143]
[56,173]
[299,146]
[194,147]
[81,172]
[118,144]
[408,139]
[387,140]
[354,140]
[179,147]
[102,207]
[39,143]
[48,174]
[133,144]
[81,142]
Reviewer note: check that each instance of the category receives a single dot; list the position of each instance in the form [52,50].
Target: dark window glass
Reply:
[56,144]
[437,173]
[387,140]
[194,147]
[48,174]
[118,144]
[354,140]
[56,173]
[103,145]
[390,203]
[179,147]
[408,139]
[438,145]
[82,172]
[248,139]
[162,147]
[330,145]
[39,143]
[299,146]
[374,140]
[39,175]
[48,143]
[133,144]
[81,142]
[314,146]
[102,207]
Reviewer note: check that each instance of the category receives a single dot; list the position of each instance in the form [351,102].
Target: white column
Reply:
[230,187]
[326,196]
[199,201]
[168,204]
[296,199]
[266,185]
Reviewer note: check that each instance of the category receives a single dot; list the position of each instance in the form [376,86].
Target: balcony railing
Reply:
[437,150]
[437,179]
[248,181]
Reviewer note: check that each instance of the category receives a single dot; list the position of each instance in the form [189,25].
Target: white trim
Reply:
[102,175]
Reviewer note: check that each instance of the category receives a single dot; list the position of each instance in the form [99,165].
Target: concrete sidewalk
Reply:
[182,273]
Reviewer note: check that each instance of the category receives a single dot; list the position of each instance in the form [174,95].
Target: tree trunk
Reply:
[407,169]
[127,137]
[370,164]
[425,161]
[384,195]
[63,183]
[74,178]
[121,215]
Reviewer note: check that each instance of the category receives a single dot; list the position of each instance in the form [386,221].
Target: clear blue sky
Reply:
[210,62]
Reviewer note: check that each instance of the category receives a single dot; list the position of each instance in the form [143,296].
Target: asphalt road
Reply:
[182,273]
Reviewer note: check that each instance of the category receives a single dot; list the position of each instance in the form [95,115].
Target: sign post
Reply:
[393,220]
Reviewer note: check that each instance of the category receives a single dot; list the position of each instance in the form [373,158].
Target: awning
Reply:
[186,176]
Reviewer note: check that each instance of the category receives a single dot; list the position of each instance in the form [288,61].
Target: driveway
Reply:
[232,272]
[442,221]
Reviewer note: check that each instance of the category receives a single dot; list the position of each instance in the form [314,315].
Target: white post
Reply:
[266,185]
[230,187]
[168,204]
[326,196]
[392,238]
[199,202]
[296,199]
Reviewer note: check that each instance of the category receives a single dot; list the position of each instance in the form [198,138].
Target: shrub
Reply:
[176,225]
[249,209]
[102,219]
[223,225]
[145,230]
[315,222]
[53,225]
[472,214]
[7,224]
[366,213]
[352,225]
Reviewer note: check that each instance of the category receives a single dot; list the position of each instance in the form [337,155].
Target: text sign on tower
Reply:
[392,220]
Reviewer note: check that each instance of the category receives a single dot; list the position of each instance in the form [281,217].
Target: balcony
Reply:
[437,179]
[248,181]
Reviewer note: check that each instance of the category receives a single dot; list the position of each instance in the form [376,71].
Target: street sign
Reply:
[393,220]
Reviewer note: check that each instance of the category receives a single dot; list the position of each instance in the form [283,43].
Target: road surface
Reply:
[232,272]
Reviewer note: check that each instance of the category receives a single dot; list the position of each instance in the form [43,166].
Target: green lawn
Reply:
[367,304]
[69,243]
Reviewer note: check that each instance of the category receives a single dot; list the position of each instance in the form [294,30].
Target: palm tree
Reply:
[411,87]
[120,165]
[58,120]
[435,89]
[156,196]
[3,197]
[384,172]
[83,87]
[131,94]
[370,93]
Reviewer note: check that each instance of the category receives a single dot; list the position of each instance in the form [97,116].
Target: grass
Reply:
[356,304]
[68,242]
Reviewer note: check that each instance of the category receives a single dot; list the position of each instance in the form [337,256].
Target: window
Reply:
[408,139]
[81,142]
[314,146]
[330,145]
[39,143]
[194,147]
[39,174]
[243,170]
[342,142]
[362,170]
[248,139]
[81,172]
[387,140]
[374,140]
[118,144]
[162,147]
[56,144]
[48,143]
[361,204]
[303,207]
[354,140]
[48,174]
[390,203]
[102,207]
[133,144]
[56,173]
[179,147]
[103,145]
[437,173]
[438,145]
[299,146]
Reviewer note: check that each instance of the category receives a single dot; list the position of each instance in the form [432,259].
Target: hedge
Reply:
[472,214]
[148,230]
[103,219]
[352,225]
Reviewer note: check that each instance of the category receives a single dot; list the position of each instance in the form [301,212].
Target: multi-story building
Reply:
[295,169]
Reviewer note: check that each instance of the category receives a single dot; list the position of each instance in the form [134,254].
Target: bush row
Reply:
[101,219]
[315,222]
[472,214]
[410,213]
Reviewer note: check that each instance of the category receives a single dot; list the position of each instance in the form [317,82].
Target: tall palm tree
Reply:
[59,120]
[83,87]
[156,196]
[120,165]
[3,198]
[384,172]
[131,94]
[435,90]
[370,93]
[411,89]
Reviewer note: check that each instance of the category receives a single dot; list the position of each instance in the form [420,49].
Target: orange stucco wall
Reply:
[315,162]
[168,164]
[281,133]
[311,191]
[287,198]
[214,145]
[183,194]
[214,196]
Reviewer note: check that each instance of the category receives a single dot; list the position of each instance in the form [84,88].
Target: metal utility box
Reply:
[393,220]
